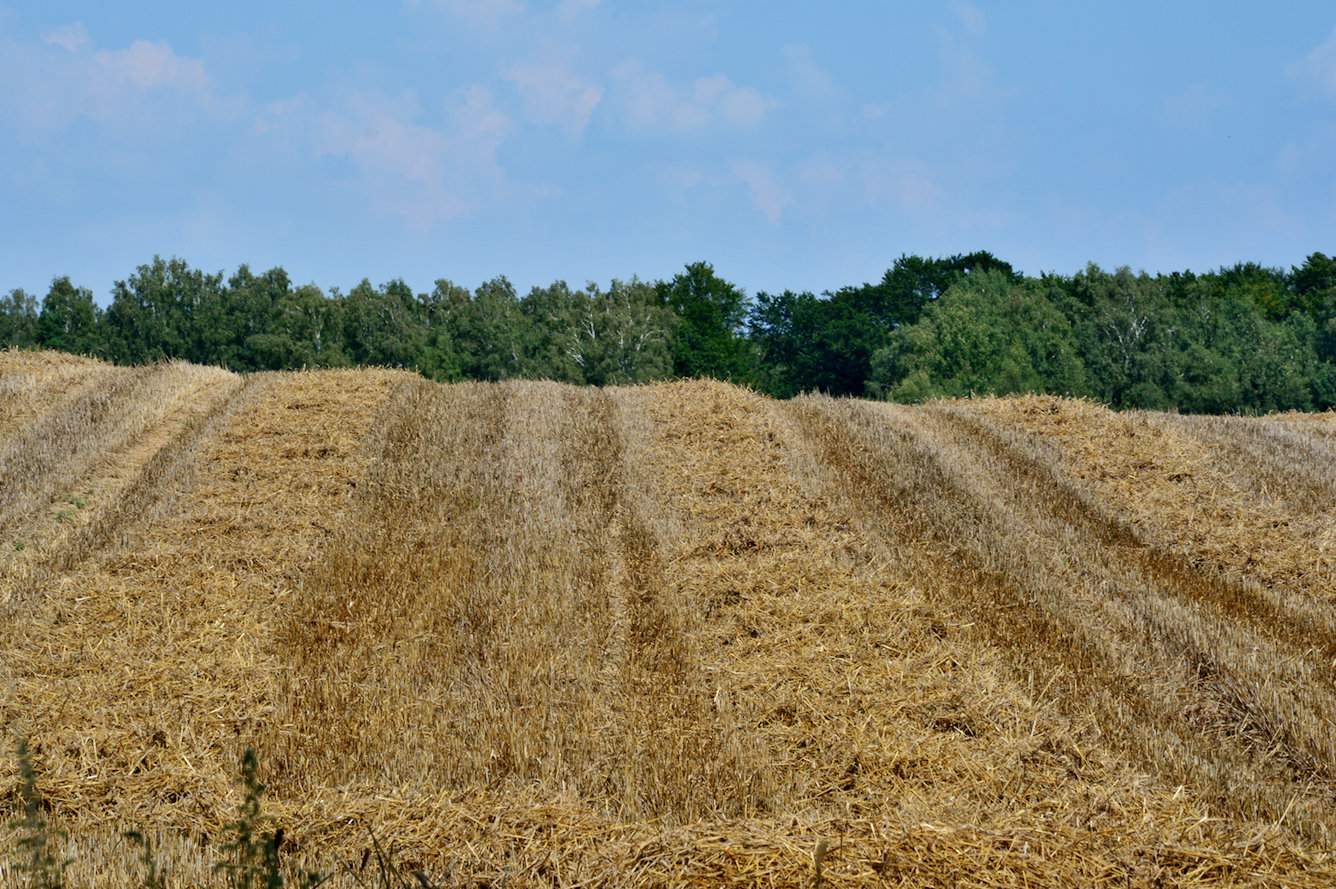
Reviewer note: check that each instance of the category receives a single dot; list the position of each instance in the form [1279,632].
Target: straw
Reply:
[532,635]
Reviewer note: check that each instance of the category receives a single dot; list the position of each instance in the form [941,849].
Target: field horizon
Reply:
[534,634]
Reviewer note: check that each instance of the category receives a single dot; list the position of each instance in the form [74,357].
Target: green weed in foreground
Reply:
[250,855]
[154,876]
[252,852]
[38,842]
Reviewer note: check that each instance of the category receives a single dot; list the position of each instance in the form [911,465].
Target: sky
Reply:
[793,145]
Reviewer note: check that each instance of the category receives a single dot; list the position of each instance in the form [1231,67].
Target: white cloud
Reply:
[766,193]
[902,185]
[966,75]
[820,173]
[649,101]
[487,14]
[809,77]
[841,179]
[966,72]
[51,84]
[681,178]
[1319,66]
[740,106]
[148,66]
[553,94]
[569,9]
[478,123]
[1306,156]
[378,133]
[1193,107]
[971,18]
[411,168]
[71,38]
[273,115]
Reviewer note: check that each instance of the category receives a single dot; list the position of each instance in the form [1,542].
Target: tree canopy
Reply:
[1245,338]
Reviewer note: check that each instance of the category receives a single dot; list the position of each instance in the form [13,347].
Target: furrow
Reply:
[37,383]
[1113,643]
[1307,626]
[1277,461]
[59,441]
[143,675]
[1179,494]
[124,488]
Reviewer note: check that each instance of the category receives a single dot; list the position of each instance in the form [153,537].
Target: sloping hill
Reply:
[540,635]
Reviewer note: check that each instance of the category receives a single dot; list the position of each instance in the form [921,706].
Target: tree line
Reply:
[1246,338]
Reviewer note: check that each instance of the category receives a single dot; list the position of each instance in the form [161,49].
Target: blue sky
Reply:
[799,145]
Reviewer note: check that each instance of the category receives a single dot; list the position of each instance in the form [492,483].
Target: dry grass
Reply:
[1198,696]
[1183,490]
[143,675]
[33,382]
[672,635]
[78,479]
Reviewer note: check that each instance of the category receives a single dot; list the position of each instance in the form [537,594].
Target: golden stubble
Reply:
[670,635]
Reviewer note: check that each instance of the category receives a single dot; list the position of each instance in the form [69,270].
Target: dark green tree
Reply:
[1316,275]
[1315,285]
[708,340]
[440,310]
[1265,288]
[621,335]
[304,330]
[986,334]
[1260,363]
[557,318]
[914,282]
[70,320]
[1227,341]
[493,333]
[233,318]
[383,326]
[805,342]
[782,328]
[1118,320]
[827,344]
[18,320]
[155,313]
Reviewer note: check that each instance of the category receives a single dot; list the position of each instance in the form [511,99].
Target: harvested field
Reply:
[535,635]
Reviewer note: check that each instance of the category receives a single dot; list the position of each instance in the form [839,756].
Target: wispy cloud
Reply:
[569,9]
[966,72]
[900,185]
[843,179]
[765,191]
[649,101]
[809,78]
[410,167]
[1193,107]
[552,93]
[275,115]
[378,133]
[478,124]
[821,173]
[1318,67]
[71,38]
[149,66]
[971,18]
[63,78]
[486,14]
